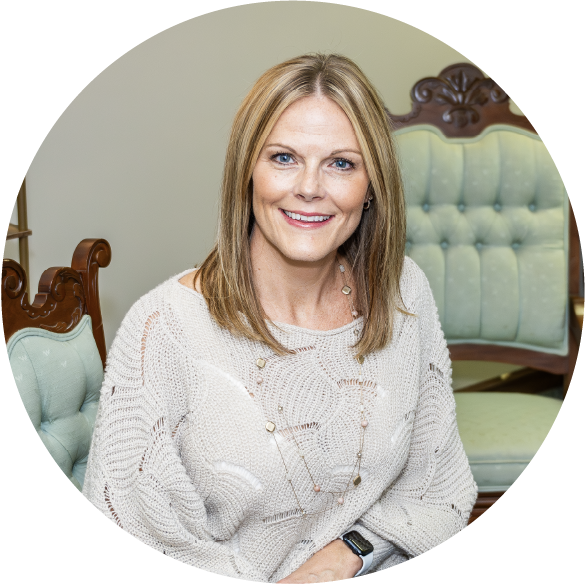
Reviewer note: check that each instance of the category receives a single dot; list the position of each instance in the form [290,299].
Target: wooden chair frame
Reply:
[462,102]
[65,294]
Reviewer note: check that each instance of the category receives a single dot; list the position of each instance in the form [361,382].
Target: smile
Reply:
[307,218]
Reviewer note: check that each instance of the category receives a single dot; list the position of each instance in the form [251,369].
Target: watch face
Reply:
[363,546]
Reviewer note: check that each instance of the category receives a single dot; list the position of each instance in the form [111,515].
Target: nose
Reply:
[309,185]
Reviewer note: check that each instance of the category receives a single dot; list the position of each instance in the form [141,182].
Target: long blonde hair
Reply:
[375,251]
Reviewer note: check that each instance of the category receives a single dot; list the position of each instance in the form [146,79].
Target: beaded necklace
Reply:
[355,478]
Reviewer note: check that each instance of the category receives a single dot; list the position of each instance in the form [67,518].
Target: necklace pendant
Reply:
[357,481]
[270,427]
[360,359]
[346,290]
[260,362]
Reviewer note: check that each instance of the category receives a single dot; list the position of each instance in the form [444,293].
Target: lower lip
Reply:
[306,224]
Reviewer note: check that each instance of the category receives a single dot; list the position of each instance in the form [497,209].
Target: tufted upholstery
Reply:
[501,432]
[59,376]
[488,224]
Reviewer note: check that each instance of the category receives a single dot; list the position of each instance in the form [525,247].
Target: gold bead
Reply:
[357,481]
[270,427]
[260,363]
[360,359]
[346,290]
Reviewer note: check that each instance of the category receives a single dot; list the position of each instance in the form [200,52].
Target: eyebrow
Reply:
[295,152]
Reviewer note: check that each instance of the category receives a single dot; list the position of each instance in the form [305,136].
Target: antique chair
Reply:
[490,224]
[57,351]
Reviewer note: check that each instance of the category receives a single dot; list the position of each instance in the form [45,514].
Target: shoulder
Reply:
[162,305]
[414,286]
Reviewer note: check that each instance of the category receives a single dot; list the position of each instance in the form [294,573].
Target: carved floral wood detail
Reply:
[461,101]
[58,306]
[65,294]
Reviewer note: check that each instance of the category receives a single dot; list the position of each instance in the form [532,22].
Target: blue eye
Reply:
[343,164]
[283,158]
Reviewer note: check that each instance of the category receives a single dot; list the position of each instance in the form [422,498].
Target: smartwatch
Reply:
[361,547]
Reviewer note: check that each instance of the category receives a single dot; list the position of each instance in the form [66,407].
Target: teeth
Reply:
[308,218]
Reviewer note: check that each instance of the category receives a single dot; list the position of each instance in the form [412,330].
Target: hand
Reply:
[333,562]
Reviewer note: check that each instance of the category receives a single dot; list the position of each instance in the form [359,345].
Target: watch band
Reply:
[361,547]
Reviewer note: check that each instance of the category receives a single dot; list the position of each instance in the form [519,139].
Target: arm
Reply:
[433,497]
[135,475]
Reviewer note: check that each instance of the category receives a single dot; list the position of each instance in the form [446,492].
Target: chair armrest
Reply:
[577,310]
[576,316]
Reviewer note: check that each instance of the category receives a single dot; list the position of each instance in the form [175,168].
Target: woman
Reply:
[286,408]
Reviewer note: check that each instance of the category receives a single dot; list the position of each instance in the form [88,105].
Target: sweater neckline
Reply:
[278,324]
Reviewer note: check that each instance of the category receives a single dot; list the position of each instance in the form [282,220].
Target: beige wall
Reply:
[137,157]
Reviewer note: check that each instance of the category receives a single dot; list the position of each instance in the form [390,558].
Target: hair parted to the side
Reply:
[375,251]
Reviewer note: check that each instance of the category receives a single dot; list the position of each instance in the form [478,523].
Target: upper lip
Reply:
[306,213]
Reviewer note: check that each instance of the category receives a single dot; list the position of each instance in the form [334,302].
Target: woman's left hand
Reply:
[333,562]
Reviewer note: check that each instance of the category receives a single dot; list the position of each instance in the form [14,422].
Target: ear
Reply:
[369,195]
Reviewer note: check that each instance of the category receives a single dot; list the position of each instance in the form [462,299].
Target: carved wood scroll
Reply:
[89,256]
[58,306]
[461,101]
[65,294]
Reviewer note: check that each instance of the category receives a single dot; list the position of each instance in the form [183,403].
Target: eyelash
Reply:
[345,160]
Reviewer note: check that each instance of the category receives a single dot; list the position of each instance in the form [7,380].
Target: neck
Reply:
[303,293]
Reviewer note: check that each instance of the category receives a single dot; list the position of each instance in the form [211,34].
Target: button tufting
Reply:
[479,245]
[497,207]
[426,206]
[532,207]
[444,245]
[461,207]
[515,245]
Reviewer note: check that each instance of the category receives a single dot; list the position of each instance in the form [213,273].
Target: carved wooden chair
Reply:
[57,351]
[489,222]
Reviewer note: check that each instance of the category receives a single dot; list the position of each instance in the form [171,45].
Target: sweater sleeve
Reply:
[135,474]
[432,498]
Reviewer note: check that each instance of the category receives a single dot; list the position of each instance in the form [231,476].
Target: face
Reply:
[310,181]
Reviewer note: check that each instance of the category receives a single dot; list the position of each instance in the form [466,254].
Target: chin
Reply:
[297,255]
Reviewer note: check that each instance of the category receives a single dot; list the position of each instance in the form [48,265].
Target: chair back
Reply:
[489,222]
[56,349]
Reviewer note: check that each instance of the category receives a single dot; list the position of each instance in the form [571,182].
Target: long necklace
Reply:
[355,478]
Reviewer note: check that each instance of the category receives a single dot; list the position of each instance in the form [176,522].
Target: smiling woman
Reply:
[284,413]
[311,138]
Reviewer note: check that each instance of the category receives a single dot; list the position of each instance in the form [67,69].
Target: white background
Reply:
[50,51]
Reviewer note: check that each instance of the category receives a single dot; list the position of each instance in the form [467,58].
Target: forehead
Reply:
[315,118]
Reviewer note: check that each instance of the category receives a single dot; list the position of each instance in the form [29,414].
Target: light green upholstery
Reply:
[59,376]
[488,224]
[501,432]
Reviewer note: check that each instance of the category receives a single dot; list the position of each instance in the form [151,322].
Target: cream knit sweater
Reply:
[181,458]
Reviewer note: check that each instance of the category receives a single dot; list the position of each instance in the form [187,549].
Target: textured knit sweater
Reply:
[181,457]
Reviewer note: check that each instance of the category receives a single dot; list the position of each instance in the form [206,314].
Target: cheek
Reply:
[351,201]
[268,186]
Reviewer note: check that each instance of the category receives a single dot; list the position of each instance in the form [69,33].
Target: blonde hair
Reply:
[375,251]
